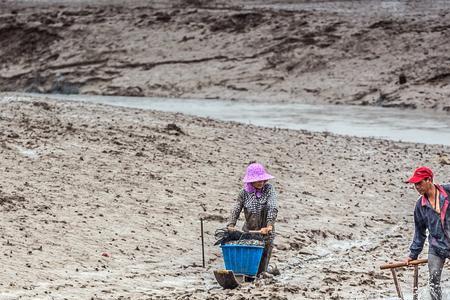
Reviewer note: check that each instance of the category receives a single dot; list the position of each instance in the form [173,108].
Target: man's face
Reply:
[423,186]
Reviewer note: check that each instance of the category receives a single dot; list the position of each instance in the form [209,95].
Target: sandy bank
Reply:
[364,55]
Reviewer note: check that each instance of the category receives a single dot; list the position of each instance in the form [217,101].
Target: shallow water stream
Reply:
[362,121]
[361,7]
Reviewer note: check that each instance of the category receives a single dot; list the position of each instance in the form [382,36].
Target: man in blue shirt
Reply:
[432,213]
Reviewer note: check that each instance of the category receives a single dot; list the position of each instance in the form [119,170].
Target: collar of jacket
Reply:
[443,193]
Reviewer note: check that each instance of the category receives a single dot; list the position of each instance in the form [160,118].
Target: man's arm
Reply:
[419,233]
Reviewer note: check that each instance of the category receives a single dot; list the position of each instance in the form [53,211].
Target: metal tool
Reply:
[226,279]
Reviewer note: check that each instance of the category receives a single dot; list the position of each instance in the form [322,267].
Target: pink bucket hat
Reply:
[256,172]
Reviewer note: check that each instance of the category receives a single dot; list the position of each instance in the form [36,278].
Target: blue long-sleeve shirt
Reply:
[438,225]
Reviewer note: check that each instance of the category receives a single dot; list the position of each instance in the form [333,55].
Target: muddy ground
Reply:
[80,180]
[387,53]
[102,202]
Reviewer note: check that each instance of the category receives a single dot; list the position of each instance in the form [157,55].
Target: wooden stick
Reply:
[397,286]
[403,264]
[416,283]
[203,243]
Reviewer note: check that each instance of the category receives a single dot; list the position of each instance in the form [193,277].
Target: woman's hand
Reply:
[266,230]
[231,228]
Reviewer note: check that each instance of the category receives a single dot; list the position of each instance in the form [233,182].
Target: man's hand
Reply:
[408,260]
[266,230]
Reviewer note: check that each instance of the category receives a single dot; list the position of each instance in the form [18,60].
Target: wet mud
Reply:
[104,202]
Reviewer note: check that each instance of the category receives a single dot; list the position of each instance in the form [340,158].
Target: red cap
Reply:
[421,174]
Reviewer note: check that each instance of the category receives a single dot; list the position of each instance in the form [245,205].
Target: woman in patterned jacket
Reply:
[259,201]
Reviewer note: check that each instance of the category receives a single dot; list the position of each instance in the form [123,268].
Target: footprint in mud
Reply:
[237,22]
[11,202]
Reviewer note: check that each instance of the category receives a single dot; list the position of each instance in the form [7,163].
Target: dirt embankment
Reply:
[228,52]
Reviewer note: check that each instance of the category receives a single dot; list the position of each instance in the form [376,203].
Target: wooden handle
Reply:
[397,286]
[416,283]
[403,264]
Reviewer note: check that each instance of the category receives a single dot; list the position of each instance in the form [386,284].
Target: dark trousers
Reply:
[267,253]
[435,265]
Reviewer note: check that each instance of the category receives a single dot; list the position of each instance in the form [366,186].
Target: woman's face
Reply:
[259,184]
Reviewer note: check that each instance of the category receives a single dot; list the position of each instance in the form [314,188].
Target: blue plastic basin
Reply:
[242,259]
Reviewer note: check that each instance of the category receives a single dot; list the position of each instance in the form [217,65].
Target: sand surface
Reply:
[387,53]
[81,179]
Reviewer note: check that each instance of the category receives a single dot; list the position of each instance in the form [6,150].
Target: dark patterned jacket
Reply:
[259,212]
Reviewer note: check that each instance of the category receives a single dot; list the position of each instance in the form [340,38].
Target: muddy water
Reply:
[389,123]
[364,7]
